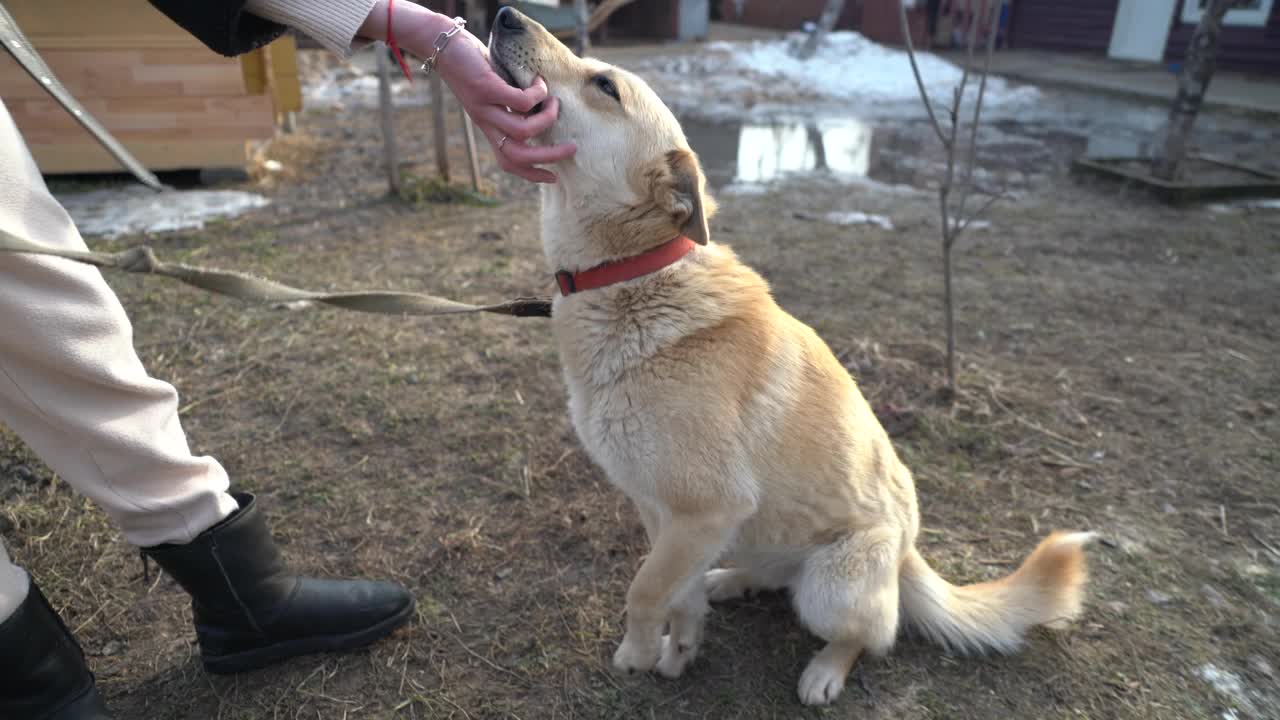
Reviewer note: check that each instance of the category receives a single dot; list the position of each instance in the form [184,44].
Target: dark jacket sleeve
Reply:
[223,25]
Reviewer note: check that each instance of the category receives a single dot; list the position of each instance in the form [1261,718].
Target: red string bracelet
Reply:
[395,47]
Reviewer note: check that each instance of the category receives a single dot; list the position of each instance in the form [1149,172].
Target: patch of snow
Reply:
[133,208]
[854,217]
[340,87]
[345,87]
[978,225]
[1117,607]
[1224,682]
[872,185]
[1249,204]
[1259,664]
[765,76]
[744,189]
[849,65]
[989,135]
[355,84]
[1229,686]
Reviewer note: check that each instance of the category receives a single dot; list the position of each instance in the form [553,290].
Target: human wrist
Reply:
[420,28]
[408,22]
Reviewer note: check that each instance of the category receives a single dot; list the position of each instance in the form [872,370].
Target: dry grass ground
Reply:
[1118,373]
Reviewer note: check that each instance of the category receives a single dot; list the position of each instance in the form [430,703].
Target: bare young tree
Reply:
[954,193]
[1193,83]
[827,21]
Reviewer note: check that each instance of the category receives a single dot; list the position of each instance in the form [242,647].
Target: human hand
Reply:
[502,112]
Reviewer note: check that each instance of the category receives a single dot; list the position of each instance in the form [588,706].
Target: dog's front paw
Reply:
[677,653]
[633,656]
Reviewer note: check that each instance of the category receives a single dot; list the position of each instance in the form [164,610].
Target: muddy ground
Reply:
[1118,373]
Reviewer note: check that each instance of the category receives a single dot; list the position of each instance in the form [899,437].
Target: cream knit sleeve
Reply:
[332,23]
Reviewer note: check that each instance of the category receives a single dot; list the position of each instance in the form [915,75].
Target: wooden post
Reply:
[439,116]
[582,42]
[438,119]
[387,111]
[473,160]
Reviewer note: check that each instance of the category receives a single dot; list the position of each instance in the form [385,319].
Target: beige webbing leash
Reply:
[142,260]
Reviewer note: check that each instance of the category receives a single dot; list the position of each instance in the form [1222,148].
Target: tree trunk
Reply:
[819,148]
[582,42]
[948,309]
[830,14]
[1193,82]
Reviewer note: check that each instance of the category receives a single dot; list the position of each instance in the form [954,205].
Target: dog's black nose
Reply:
[509,19]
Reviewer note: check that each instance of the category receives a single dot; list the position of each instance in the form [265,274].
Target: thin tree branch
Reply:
[965,222]
[944,190]
[964,75]
[959,102]
[915,70]
[977,107]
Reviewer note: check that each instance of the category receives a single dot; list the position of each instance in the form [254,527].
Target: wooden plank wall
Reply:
[1079,25]
[789,15]
[1241,48]
[171,101]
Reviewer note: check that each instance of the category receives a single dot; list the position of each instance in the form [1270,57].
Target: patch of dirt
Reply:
[1117,374]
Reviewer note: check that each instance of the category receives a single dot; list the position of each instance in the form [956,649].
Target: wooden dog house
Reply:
[171,101]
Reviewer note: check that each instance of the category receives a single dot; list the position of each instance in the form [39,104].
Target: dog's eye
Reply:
[607,87]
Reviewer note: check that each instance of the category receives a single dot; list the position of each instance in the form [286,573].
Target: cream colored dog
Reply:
[729,423]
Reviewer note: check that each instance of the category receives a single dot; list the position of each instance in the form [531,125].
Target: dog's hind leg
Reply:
[847,594]
[733,583]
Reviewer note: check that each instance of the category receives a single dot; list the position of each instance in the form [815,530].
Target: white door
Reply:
[1141,29]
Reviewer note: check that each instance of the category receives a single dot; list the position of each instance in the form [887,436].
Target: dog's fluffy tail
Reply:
[994,616]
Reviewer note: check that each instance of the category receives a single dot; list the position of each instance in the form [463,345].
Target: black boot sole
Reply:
[88,706]
[271,654]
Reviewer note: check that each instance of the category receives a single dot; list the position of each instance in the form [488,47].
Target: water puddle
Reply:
[901,153]
[764,152]
[1013,155]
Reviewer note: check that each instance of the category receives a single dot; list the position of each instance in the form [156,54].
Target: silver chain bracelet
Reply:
[441,40]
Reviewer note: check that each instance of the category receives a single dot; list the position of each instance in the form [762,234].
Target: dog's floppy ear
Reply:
[680,192]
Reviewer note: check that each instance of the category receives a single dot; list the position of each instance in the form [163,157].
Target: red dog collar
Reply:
[625,269]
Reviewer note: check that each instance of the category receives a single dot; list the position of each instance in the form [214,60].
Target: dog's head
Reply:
[634,178]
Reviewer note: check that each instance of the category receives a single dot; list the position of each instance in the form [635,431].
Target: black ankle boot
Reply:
[42,671]
[251,612]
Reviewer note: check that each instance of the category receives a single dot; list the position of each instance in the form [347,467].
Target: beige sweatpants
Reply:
[72,387]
